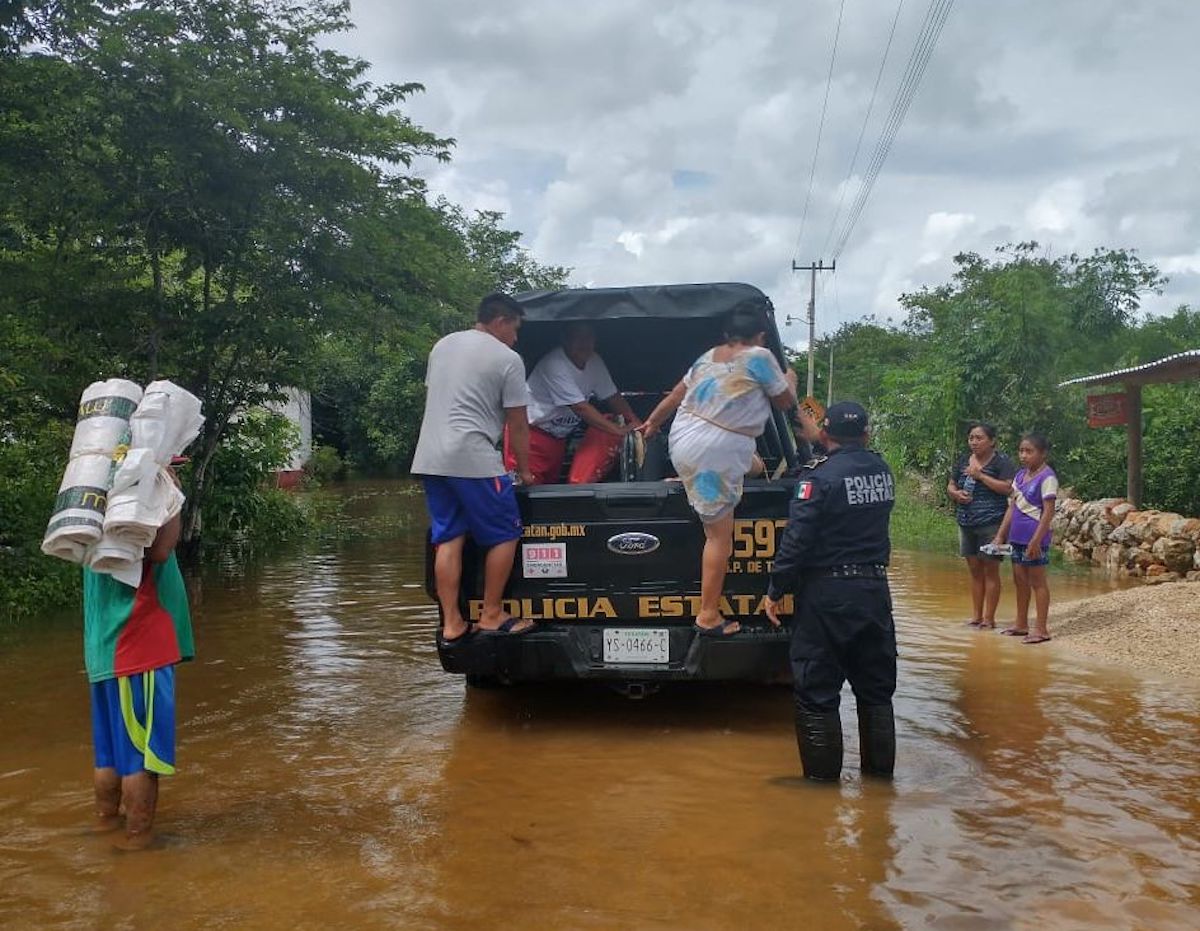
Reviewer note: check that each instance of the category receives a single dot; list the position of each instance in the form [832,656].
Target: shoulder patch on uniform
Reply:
[804,491]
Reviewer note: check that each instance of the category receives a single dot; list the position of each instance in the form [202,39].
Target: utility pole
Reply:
[818,266]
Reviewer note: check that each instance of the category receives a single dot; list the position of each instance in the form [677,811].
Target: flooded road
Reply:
[331,774]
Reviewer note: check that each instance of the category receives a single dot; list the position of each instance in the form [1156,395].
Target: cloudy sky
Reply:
[649,141]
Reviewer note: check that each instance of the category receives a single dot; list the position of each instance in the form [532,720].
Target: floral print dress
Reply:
[724,410]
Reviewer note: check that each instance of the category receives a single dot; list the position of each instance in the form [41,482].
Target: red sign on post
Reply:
[1107,410]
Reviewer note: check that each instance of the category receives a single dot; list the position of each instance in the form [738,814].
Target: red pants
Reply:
[594,457]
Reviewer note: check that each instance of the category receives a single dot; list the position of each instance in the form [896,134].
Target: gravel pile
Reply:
[1155,628]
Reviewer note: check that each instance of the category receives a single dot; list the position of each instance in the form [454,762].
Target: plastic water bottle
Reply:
[968,485]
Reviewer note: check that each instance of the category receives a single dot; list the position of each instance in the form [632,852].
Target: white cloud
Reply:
[1058,209]
[1181,264]
[634,243]
[670,142]
[942,231]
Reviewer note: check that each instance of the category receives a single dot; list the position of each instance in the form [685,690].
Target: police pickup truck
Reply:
[610,571]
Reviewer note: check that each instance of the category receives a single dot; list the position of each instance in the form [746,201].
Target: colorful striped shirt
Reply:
[129,630]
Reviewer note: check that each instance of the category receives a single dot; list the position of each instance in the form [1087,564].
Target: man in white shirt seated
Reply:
[562,387]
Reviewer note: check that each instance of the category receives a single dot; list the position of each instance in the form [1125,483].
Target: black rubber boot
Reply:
[819,736]
[877,740]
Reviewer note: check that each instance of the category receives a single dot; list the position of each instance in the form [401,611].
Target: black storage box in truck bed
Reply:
[611,571]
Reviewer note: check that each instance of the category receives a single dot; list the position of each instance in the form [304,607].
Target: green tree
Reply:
[371,382]
[995,342]
[198,190]
[496,256]
[227,179]
[863,351]
[1096,463]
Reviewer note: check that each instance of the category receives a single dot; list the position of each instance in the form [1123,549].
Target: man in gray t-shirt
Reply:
[475,387]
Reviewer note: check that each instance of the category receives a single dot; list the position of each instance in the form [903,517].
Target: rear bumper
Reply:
[558,651]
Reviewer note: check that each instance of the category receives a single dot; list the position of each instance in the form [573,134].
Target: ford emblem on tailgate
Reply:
[633,544]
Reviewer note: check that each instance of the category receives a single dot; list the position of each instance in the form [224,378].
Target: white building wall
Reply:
[297,408]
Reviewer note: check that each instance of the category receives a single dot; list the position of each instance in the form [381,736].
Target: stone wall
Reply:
[1156,546]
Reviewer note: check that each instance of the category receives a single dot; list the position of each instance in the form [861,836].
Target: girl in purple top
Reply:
[1026,526]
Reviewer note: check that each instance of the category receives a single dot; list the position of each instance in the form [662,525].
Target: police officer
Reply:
[834,556]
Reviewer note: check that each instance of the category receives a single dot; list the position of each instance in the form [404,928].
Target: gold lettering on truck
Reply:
[648,606]
[756,539]
[656,606]
[550,609]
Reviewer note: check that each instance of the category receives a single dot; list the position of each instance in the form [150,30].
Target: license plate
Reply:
[636,645]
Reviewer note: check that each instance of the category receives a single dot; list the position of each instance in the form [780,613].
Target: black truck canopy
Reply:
[648,336]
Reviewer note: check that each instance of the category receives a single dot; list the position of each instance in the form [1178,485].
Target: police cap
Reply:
[845,419]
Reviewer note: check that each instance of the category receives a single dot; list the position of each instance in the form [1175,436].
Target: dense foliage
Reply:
[198,190]
[995,342]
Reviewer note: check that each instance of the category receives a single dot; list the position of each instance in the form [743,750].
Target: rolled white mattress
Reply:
[78,518]
[104,412]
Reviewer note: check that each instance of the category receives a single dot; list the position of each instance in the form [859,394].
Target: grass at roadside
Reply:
[919,525]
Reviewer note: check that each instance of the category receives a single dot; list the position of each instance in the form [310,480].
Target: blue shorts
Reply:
[1018,556]
[133,722]
[486,508]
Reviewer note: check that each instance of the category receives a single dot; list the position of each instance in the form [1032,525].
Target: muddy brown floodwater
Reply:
[332,775]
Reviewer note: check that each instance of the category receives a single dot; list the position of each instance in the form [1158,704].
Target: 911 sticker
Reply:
[804,490]
[544,560]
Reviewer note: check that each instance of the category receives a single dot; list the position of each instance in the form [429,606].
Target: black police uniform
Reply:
[834,556]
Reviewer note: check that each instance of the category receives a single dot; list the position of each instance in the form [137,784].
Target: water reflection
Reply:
[331,774]
[623,815]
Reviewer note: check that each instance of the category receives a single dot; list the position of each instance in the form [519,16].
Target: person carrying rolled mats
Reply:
[834,555]
[133,639]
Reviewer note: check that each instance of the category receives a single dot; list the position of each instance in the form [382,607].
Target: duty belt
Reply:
[862,570]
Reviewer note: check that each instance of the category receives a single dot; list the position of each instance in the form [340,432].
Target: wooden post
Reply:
[1133,485]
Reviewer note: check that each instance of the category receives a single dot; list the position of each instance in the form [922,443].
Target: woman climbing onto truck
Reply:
[723,404]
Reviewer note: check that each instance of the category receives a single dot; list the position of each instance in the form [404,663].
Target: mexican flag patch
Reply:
[804,491]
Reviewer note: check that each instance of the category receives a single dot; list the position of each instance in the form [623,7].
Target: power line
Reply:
[862,132]
[899,108]
[837,302]
[931,28]
[820,130]
[935,18]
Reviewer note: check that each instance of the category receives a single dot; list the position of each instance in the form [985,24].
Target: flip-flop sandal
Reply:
[1014,632]
[984,625]
[975,624]
[1029,641]
[721,630]
[451,641]
[506,629]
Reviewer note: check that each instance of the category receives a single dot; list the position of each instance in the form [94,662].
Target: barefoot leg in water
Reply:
[140,794]
[108,798]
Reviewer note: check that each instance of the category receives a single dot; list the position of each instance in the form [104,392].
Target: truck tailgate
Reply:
[629,553]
